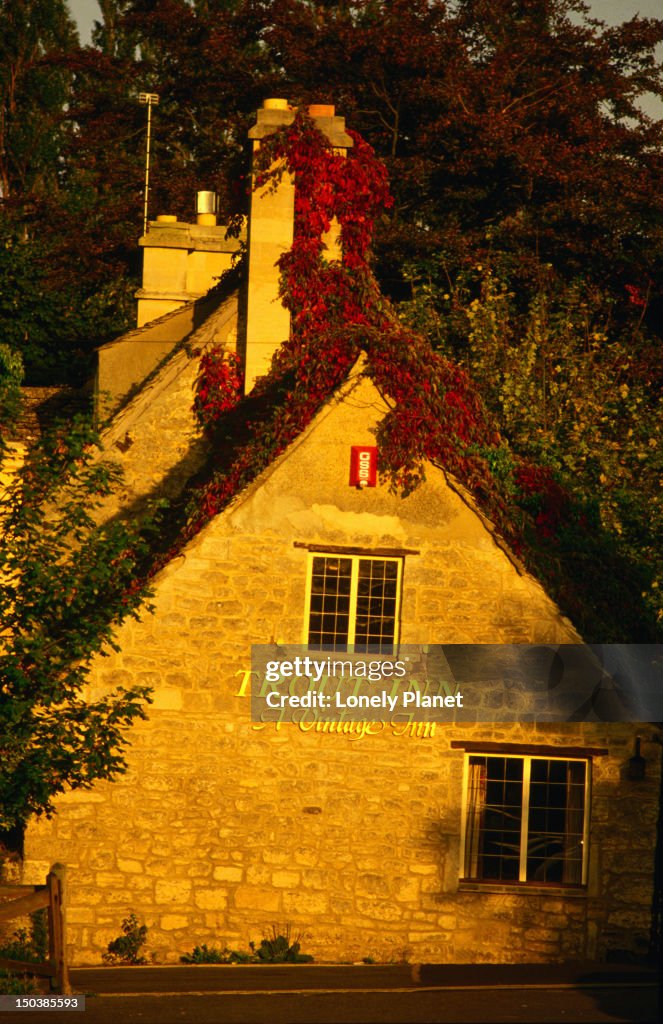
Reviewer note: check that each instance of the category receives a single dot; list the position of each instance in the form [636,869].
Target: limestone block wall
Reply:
[223,827]
[156,438]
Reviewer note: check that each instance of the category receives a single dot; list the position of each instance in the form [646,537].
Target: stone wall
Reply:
[155,438]
[223,828]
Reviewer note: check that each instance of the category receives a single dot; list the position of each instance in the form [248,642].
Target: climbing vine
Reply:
[435,410]
[336,312]
[219,384]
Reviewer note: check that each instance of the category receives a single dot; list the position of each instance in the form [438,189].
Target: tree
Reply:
[65,582]
[573,387]
[110,35]
[51,316]
[11,376]
[516,116]
[33,94]
[508,127]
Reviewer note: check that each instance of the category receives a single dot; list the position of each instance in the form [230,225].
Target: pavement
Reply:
[220,978]
[573,993]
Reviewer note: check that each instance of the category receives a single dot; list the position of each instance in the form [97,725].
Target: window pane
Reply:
[494,819]
[556,820]
[331,585]
[377,590]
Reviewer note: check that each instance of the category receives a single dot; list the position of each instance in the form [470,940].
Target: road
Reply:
[360,995]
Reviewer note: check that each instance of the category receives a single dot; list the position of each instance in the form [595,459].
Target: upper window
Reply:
[353,603]
[526,820]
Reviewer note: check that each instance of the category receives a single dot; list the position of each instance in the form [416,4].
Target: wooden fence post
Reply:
[55,881]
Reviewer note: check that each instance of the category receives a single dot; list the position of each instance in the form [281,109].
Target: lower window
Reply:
[526,820]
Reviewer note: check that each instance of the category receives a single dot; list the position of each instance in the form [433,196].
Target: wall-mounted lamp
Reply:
[637,763]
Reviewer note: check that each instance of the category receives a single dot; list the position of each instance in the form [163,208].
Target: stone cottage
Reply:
[393,838]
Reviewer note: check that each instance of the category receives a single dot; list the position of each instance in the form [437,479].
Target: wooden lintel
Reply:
[533,749]
[340,549]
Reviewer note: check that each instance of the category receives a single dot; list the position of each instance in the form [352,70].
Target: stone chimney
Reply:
[270,234]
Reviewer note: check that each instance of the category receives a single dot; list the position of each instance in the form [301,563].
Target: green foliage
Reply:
[34,89]
[279,949]
[206,955]
[17,985]
[31,945]
[213,955]
[51,323]
[523,120]
[574,385]
[126,948]
[65,583]
[11,375]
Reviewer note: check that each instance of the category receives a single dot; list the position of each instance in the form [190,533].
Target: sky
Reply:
[611,11]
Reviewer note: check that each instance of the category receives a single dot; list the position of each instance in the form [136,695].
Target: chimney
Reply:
[270,234]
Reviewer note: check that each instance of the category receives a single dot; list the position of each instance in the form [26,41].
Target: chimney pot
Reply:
[322,110]
[275,104]
[206,208]
[206,202]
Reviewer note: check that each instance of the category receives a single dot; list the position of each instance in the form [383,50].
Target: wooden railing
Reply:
[26,899]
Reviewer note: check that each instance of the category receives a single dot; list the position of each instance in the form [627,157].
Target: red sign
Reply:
[363,465]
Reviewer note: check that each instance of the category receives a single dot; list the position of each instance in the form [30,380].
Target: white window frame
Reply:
[356,560]
[527,760]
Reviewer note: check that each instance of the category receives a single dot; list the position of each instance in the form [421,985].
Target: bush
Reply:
[126,948]
[29,945]
[279,950]
[210,955]
[276,950]
[17,985]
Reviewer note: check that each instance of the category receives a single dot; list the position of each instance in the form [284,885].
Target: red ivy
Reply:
[219,385]
[548,500]
[337,312]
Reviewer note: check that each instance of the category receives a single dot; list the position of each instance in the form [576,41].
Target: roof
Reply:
[43,407]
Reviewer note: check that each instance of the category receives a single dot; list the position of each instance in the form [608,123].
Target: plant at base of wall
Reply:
[17,985]
[31,945]
[213,955]
[280,950]
[126,948]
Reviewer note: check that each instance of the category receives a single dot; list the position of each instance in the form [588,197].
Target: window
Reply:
[526,820]
[353,603]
